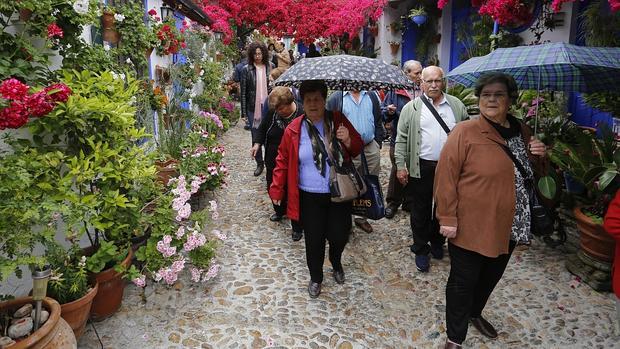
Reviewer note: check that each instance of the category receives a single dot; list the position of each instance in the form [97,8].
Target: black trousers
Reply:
[324,220]
[472,279]
[424,225]
[280,209]
[397,194]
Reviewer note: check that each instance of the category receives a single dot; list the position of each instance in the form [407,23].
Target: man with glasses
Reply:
[394,102]
[422,130]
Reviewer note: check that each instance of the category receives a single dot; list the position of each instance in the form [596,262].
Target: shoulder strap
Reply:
[435,114]
[514,159]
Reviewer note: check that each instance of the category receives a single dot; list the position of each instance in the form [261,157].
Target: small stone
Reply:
[21,328]
[44,316]
[191,343]
[178,286]
[334,340]
[220,293]
[242,291]
[6,342]
[174,337]
[23,311]
[258,343]
[345,345]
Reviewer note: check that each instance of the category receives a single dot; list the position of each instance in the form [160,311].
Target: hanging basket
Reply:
[107,21]
[419,19]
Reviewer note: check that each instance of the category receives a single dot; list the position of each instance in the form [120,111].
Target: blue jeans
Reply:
[259,153]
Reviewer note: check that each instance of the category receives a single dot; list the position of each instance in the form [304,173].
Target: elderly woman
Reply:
[482,202]
[283,109]
[302,175]
[254,89]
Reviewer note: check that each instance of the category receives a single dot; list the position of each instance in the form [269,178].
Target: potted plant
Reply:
[593,162]
[396,26]
[394,46]
[418,15]
[108,19]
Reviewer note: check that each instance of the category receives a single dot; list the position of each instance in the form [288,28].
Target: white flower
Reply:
[122,76]
[80,7]
[119,17]
[106,46]
[128,61]
[114,75]
[202,72]
[55,12]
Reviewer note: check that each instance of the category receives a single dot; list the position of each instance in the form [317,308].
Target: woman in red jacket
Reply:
[302,174]
[612,227]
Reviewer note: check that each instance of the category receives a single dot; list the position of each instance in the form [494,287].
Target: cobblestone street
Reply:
[259,298]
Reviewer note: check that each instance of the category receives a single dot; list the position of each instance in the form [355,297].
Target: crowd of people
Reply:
[462,178]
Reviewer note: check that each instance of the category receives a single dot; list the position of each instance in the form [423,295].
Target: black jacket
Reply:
[248,88]
[270,133]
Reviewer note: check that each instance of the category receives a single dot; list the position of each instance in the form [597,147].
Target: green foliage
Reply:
[203,157]
[105,257]
[608,101]
[201,257]
[466,95]
[599,27]
[475,36]
[69,280]
[593,162]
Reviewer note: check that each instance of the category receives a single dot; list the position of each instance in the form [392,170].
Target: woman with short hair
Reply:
[482,202]
[302,176]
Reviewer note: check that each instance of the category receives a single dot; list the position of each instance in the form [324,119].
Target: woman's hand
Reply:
[448,232]
[254,149]
[537,147]
[342,134]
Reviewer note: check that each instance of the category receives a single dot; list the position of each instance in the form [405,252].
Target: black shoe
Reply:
[297,235]
[246,127]
[390,212]
[484,327]
[437,251]
[259,170]
[314,289]
[339,276]
[275,217]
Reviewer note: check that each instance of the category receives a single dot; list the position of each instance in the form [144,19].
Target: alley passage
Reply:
[260,299]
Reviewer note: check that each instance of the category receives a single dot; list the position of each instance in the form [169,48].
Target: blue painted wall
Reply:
[411,35]
[461,11]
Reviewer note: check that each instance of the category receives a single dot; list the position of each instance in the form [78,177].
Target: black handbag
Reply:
[541,222]
[370,204]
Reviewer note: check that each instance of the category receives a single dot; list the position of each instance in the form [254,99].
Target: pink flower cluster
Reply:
[163,246]
[23,105]
[228,106]
[53,30]
[194,240]
[219,149]
[182,195]
[170,274]
[220,235]
[536,102]
[199,274]
[213,209]
[140,281]
[215,118]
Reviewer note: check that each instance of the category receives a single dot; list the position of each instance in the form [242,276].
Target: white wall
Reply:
[385,34]
[560,34]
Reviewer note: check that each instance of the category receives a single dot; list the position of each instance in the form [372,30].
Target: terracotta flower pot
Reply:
[394,48]
[55,332]
[111,36]
[107,20]
[76,313]
[166,170]
[593,240]
[111,289]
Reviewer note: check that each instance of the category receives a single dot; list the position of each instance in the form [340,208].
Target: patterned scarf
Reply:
[319,146]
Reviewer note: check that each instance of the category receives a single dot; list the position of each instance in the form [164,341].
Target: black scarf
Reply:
[319,148]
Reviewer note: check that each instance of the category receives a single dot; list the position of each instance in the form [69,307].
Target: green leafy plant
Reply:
[465,95]
[417,11]
[69,280]
[475,37]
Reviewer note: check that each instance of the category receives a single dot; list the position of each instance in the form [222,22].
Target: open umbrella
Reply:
[345,72]
[554,66]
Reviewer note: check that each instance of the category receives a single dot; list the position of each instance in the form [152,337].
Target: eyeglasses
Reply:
[498,96]
[430,82]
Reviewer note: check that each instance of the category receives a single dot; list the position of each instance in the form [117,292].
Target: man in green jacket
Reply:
[419,140]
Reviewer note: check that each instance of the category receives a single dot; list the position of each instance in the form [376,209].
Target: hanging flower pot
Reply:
[374,30]
[419,19]
[107,20]
[25,14]
[394,46]
[111,36]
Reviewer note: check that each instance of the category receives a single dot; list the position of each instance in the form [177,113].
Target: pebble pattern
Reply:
[260,300]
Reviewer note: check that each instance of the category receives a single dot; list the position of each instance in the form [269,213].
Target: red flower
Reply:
[39,104]
[183,45]
[13,116]
[53,30]
[58,92]
[13,89]
[152,12]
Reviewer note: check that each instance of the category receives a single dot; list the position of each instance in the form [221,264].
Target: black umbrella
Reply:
[345,72]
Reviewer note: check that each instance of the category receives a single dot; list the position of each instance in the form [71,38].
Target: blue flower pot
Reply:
[419,20]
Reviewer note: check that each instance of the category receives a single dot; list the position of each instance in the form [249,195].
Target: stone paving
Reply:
[259,299]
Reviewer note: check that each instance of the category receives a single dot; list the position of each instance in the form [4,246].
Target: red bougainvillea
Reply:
[22,105]
[514,11]
[305,20]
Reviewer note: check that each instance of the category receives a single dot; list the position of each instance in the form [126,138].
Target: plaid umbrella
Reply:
[555,66]
[345,72]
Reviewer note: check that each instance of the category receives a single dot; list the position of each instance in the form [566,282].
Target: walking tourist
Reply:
[312,51]
[419,140]
[363,109]
[302,176]
[254,90]
[282,110]
[482,202]
[391,107]
[612,227]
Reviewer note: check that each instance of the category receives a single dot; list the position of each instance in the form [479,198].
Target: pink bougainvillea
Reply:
[308,20]
[54,31]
